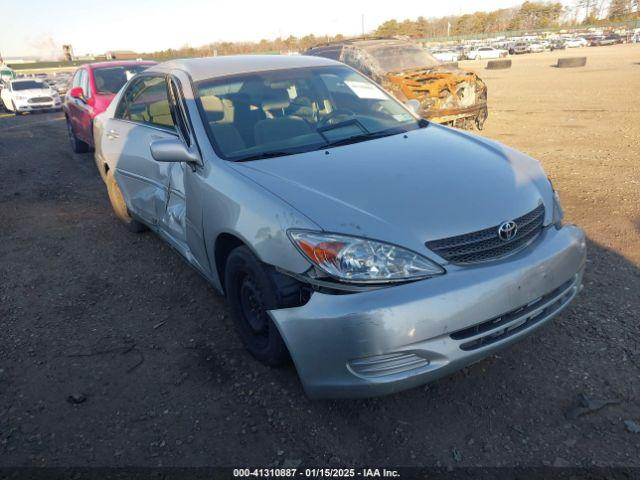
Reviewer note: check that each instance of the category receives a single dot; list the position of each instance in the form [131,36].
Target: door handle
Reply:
[111,134]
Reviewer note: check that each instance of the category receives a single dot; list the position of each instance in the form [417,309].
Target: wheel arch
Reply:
[225,243]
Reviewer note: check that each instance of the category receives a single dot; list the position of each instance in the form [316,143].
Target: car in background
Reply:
[484,53]
[440,93]
[92,88]
[518,48]
[558,44]
[538,47]
[376,250]
[446,56]
[61,83]
[594,40]
[576,42]
[611,39]
[29,95]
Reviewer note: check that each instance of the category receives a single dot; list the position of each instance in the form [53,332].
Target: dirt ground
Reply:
[121,324]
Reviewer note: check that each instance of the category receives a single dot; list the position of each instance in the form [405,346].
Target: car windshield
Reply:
[111,79]
[395,57]
[28,85]
[282,112]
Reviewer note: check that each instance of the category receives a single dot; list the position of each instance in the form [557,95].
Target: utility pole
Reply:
[362,23]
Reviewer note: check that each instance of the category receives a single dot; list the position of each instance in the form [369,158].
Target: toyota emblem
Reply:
[507,230]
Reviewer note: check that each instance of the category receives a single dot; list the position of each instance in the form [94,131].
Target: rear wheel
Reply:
[251,291]
[120,207]
[78,146]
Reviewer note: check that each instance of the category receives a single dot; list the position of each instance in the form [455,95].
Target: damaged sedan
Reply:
[439,92]
[375,250]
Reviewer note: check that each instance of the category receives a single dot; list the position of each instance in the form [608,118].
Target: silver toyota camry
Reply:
[376,250]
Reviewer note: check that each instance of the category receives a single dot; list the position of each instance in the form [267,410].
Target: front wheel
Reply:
[251,292]
[78,146]
[120,207]
[15,109]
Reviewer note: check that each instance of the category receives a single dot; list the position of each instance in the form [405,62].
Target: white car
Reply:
[446,55]
[537,47]
[27,95]
[576,42]
[482,53]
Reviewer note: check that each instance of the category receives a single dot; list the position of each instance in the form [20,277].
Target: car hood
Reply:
[34,92]
[432,183]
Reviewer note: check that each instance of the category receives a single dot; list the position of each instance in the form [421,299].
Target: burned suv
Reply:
[447,94]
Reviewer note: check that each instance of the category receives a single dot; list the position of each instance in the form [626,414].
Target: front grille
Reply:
[40,99]
[388,364]
[514,321]
[485,245]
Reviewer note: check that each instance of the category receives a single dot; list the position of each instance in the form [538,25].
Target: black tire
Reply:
[78,146]
[498,64]
[251,291]
[120,207]
[15,109]
[572,62]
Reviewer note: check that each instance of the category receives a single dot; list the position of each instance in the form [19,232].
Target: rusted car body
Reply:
[447,94]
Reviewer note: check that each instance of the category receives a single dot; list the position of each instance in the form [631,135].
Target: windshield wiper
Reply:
[364,137]
[345,123]
[262,155]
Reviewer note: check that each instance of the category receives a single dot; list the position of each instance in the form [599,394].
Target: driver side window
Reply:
[146,101]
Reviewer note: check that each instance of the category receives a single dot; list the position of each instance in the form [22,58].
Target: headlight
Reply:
[359,260]
[558,214]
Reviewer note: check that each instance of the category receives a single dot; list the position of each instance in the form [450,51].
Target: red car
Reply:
[93,87]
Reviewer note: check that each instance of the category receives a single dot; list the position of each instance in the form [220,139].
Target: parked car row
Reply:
[527,44]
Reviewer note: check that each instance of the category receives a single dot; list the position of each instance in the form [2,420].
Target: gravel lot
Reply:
[121,324]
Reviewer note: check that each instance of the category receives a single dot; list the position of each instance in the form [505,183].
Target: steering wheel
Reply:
[335,116]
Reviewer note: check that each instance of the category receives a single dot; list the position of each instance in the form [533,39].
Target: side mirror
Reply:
[413,105]
[76,92]
[172,150]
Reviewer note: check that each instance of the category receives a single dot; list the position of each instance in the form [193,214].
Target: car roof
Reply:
[34,79]
[119,63]
[211,67]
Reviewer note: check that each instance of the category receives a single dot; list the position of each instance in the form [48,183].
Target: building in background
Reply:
[67,51]
[122,55]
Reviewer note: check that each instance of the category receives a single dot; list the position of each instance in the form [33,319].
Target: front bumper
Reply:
[30,107]
[383,341]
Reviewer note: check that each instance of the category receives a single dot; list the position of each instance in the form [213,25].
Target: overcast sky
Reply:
[36,27]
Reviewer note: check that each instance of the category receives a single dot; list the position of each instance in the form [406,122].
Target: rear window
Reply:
[110,80]
[28,85]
